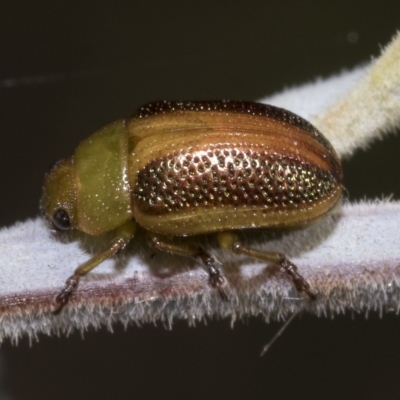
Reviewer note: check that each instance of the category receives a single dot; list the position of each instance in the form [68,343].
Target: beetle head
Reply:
[58,202]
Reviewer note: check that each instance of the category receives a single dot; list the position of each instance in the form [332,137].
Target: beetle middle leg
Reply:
[216,280]
[230,241]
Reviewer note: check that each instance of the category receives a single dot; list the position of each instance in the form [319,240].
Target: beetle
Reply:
[190,168]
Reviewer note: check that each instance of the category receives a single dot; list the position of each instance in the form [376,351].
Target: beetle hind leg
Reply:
[216,280]
[301,284]
[230,241]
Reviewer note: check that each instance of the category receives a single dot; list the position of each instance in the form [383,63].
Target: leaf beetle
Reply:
[190,168]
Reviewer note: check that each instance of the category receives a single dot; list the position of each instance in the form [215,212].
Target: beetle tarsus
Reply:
[216,280]
[301,284]
[64,296]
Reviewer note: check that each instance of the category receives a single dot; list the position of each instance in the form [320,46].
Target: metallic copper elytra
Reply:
[230,178]
[203,166]
[188,168]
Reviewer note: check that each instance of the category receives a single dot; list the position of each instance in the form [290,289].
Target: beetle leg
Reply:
[230,241]
[216,280]
[123,235]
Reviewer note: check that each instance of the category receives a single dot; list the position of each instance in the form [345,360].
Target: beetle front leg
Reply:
[72,282]
[216,280]
[230,241]
[123,236]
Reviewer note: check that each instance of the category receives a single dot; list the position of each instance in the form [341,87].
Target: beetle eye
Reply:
[61,220]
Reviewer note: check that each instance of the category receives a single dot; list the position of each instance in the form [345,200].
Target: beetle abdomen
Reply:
[203,167]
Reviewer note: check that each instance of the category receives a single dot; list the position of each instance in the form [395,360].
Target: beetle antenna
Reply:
[277,334]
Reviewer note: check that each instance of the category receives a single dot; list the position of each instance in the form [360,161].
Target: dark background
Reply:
[67,70]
